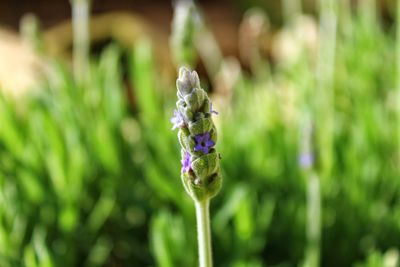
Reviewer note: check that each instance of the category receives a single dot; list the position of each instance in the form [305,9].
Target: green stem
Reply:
[203,232]
[398,67]
[291,9]
[80,24]
[324,94]
[313,221]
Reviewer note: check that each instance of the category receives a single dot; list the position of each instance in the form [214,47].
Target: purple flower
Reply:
[306,160]
[203,143]
[211,109]
[186,162]
[177,120]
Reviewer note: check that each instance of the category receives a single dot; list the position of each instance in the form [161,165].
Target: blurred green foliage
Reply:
[90,179]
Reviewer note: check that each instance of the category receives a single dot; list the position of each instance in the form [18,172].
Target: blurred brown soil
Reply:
[221,16]
[139,17]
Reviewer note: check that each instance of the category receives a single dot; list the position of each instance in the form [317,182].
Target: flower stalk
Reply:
[80,25]
[313,212]
[183,33]
[197,136]
[398,70]
[204,232]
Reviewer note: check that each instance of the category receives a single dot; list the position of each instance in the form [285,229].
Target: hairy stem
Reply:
[203,232]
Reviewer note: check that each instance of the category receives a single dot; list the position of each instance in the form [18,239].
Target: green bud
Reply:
[206,106]
[206,165]
[201,191]
[187,81]
[196,99]
[200,126]
[185,139]
[184,109]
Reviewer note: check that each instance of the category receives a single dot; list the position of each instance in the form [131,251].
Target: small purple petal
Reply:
[199,138]
[210,143]
[198,147]
[211,109]
[177,120]
[203,143]
[186,162]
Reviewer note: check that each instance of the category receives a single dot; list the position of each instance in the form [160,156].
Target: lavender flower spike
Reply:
[197,135]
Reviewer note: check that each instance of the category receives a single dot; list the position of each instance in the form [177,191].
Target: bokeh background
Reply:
[308,95]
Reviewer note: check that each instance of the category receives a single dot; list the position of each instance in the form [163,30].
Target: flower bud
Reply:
[187,81]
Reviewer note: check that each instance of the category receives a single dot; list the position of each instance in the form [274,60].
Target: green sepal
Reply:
[206,165]
[204,190]
[185,139]
[213,134]
[206,105]
[195,100]
[200,126]
[187,178]
[184,109]
[213,184]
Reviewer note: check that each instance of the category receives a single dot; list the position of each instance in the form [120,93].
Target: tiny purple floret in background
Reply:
[306,160]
